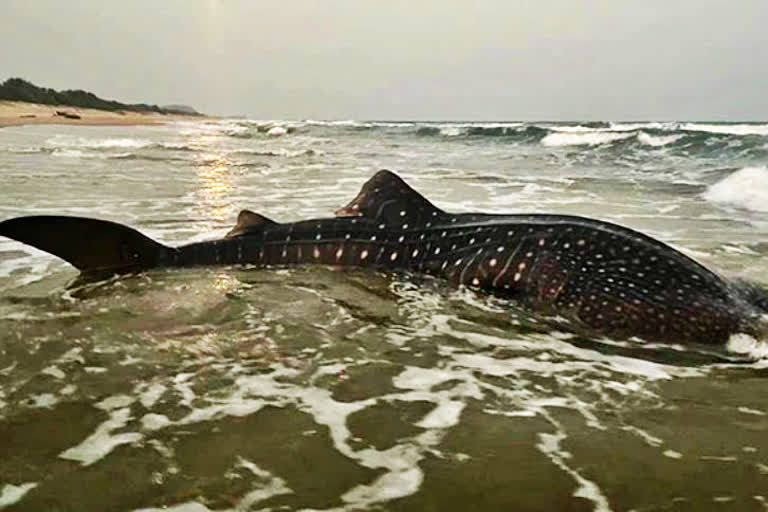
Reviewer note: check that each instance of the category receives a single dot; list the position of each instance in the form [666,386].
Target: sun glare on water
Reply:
[213,197]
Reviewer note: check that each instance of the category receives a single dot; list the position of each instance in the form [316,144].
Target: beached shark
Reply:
[598,277]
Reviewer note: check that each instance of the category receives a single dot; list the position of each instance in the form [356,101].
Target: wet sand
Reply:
[15,113]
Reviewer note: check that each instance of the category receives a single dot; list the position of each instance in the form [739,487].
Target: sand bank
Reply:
[14,113]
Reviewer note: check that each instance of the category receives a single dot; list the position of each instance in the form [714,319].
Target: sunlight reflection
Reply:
[216,185]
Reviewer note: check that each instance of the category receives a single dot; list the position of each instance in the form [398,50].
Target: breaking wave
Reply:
[692,137]
[746,188]
[252,137]
[658,140]
[61,141]
[728,129]
[706,138]
[583,138]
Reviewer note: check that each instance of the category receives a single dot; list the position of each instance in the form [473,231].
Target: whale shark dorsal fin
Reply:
[388,199]
[249,222]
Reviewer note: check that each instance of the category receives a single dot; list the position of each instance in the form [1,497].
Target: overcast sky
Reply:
[414,59]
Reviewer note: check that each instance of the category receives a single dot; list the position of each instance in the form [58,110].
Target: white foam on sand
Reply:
[150,394]
[10,494]
[449,386]
[101,442]
[182,507]
[744,344]
[266,486]
[549,445]
[746,188]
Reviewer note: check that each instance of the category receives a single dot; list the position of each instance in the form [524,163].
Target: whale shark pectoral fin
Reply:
[249,222]
[90,245]
[388,199]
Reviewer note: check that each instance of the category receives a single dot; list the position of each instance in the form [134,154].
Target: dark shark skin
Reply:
[599,277]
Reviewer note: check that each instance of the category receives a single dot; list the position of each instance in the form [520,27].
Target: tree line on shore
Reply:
[18,89]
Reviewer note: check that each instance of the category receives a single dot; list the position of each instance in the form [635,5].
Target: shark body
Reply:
[601,277]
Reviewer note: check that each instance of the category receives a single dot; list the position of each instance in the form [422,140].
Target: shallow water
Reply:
[311,388]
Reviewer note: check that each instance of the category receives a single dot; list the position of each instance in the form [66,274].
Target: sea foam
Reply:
[727,129]
[63,141]
[746,188]
[11,494]
[657,141]
[583,138]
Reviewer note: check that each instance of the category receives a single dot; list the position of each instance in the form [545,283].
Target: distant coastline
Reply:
[22,102]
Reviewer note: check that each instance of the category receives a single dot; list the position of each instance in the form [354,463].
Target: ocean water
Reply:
[236,388]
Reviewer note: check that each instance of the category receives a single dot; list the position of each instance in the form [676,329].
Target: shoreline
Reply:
[19,113]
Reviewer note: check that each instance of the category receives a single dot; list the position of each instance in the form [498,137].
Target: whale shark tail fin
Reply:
[93,246]
[388,199]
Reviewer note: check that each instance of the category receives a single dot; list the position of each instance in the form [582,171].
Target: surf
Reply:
[600,277]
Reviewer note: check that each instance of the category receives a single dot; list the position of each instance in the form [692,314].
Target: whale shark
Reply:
[598,277]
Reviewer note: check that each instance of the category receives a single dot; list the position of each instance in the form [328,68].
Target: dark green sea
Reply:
[236,388]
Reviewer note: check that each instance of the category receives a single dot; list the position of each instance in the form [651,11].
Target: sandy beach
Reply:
[14,113]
